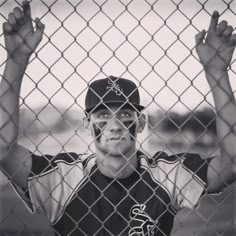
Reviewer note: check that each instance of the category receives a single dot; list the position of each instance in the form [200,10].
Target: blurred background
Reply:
[150,42]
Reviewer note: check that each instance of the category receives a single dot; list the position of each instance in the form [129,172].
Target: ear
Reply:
[86,122]
[141,122]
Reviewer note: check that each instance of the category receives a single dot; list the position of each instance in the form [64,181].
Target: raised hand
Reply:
[21,39]
[217,50]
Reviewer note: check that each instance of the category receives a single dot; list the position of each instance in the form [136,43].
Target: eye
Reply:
[103,115]
[125,114]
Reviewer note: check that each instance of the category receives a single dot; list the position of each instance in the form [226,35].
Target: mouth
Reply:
[118,138]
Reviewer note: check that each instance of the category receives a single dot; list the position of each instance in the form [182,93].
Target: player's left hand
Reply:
[217,51]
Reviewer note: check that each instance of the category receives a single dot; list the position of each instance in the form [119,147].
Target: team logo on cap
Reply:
[113,86]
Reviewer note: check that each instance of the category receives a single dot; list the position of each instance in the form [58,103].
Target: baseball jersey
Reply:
[79,200]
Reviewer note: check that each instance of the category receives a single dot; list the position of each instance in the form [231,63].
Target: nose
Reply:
[115,125]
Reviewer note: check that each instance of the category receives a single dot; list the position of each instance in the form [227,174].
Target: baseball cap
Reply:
[112,90]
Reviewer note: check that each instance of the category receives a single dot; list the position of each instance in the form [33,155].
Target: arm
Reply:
[20,41]
[215,55]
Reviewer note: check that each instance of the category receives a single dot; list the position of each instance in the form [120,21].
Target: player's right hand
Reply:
[21,39]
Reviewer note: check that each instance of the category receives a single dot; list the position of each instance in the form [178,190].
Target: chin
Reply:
[117,151]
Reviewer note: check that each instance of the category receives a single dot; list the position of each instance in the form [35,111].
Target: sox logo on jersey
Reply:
[147,226]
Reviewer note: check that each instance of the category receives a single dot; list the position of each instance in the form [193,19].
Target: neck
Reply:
[117,167]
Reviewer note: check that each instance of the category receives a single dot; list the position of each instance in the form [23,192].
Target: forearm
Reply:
[222,170]
[9,104]
[225,106]
[215,49]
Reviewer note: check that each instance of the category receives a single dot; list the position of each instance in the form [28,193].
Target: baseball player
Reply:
[117,190]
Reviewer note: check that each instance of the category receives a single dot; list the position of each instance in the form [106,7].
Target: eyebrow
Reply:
[116,111]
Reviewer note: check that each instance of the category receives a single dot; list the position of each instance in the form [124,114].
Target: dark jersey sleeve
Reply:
[196,164]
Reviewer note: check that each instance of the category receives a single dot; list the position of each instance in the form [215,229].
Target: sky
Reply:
[150,42]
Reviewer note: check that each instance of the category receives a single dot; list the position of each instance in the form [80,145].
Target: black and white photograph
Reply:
[117,117]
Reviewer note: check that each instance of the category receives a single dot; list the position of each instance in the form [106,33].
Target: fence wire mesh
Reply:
[150,42]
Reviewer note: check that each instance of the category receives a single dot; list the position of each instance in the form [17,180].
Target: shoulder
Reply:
[42,164]
[157,158]
[195,165]
[191,164]
[180,165]
[186,158]
[189,161]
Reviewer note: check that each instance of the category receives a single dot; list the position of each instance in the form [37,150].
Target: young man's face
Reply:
[115,130]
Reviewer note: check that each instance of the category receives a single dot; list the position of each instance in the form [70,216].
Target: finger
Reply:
[7,28]
[221,27]
[228,32]
[214,21]
[199,39]
[26,9]
[39,26]
[19,15]
[12,20]
[38,34]
[232,40]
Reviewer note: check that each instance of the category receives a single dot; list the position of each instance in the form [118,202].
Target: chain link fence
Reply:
[150,42]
